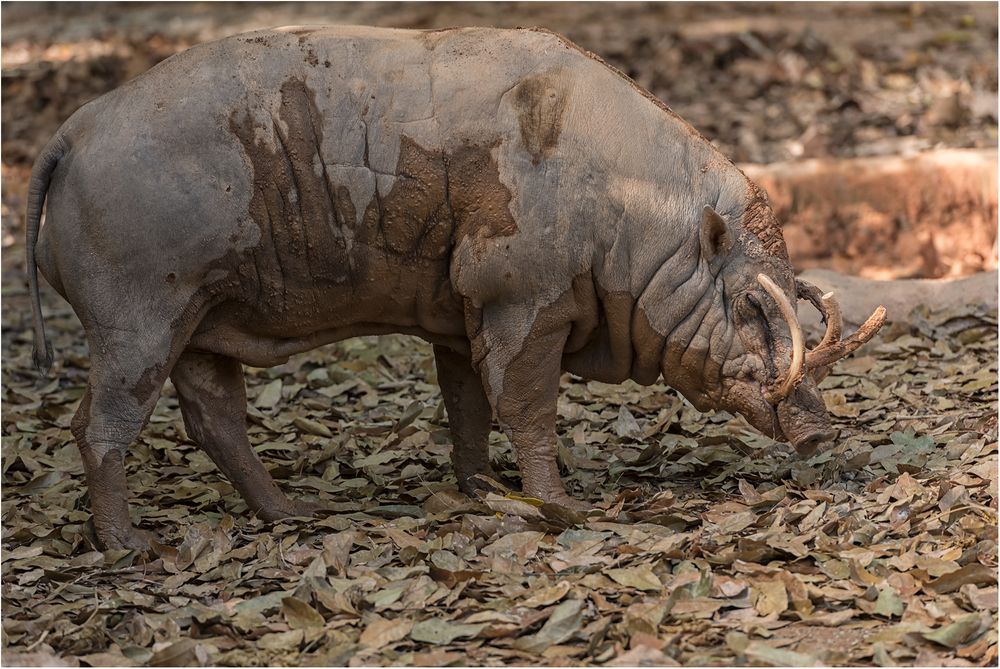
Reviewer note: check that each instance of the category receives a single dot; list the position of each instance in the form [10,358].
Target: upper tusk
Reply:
[834,323]
[837,350]
[798,345]
[830,309]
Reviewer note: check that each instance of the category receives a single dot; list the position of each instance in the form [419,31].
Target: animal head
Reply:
[755,360]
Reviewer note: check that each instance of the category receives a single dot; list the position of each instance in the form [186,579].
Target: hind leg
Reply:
[213,402]
[102,443]
[121,392]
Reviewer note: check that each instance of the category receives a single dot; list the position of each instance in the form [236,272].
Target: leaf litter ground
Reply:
[712,545]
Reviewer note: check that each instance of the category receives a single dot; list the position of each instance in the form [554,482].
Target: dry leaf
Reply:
[383,631]
[640,578]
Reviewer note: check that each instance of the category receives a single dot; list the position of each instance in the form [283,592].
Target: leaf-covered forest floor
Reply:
[713,545]
[710,545]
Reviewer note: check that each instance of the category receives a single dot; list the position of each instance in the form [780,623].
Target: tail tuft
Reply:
[43,361]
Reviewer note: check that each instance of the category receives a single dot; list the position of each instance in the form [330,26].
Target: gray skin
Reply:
[502,194]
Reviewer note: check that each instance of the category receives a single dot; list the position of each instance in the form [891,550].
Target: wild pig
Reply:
[503,194]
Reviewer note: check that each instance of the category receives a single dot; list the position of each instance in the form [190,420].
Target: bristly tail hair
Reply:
[41,175]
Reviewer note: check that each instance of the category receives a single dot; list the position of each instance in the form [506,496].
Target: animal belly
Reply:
[264,321]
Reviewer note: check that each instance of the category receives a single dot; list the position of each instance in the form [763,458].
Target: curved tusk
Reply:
[798,346]
[834,331]
[837,350]
[828,306]
[830,309]
[834,323]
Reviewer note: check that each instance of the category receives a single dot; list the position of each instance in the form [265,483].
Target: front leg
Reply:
[469,418]
[522,383]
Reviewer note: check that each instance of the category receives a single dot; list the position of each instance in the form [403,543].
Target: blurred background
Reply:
[849,92]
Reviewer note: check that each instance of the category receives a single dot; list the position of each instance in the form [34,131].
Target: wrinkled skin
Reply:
[502,194]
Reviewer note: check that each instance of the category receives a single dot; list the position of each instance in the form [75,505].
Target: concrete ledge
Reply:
[858,297]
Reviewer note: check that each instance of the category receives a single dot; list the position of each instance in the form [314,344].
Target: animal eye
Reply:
[755,304]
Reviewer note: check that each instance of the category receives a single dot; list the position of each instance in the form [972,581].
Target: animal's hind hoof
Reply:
[132,539]
[301,507]
[290,508]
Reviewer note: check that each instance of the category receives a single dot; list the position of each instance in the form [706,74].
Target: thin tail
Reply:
[41,174]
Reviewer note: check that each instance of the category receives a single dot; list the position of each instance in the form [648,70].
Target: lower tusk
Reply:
[798,345]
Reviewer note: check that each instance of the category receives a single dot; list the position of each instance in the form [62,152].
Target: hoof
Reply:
[305,509]
[290,509]
[131,539]
[476,487]
[571,503]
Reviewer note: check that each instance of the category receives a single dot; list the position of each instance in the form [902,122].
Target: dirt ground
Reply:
[712,545]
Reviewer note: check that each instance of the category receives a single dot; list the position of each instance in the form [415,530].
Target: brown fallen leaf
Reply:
[643,656]
[640,577]
[183,653]
[562,624]
[547,596]
[383,631]
[772,597]
[300,615]
[977,574]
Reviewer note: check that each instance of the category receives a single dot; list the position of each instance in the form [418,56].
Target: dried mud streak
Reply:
[413,220]
[211,392]
[146,384]
[479,201]
[81,419]
[106,482]
[526,404]
[431,37]
[298,212]
[179,330]
[302,33]
[540,102]
[647,361]
[470,417]
[604,353]
[263,273]
[437,201]
[313,216]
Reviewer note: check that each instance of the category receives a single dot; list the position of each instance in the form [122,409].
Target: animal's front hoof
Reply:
[571,503]
[561,498]
[478,483]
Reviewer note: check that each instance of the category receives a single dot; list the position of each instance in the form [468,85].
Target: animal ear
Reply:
[716,239]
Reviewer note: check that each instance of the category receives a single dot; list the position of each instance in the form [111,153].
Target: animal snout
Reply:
[810,442]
